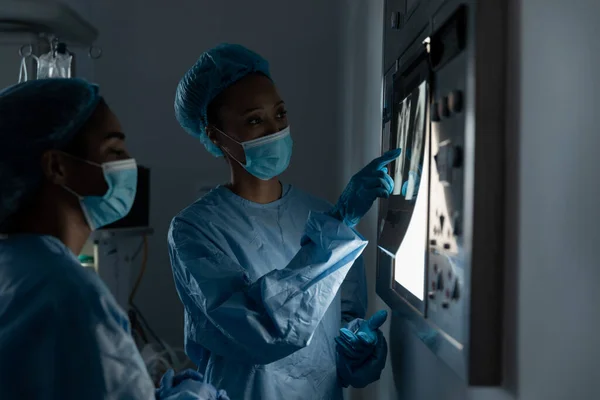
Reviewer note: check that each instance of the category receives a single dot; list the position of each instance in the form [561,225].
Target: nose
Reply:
[274,126]
[282,125]
[125,155]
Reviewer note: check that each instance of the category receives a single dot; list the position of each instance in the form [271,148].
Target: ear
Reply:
[53,167]
[212,135]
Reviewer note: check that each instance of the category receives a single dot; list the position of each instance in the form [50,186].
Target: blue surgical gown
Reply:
[62,334]
[262,311]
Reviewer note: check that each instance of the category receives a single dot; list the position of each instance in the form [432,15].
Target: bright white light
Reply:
[409,268]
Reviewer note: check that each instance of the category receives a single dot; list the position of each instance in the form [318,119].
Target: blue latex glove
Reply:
[187,385]
[358,340]
[370,371]
[364,188]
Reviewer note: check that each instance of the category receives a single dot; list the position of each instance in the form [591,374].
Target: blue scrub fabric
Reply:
[62,334]
[261,310]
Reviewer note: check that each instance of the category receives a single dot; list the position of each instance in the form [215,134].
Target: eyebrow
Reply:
[249,110]
[114,135]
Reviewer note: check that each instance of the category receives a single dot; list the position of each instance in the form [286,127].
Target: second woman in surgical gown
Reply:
[266,272]
[64,172]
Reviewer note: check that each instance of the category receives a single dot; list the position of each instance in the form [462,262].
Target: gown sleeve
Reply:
[354,293]
[70,342]
[266,320]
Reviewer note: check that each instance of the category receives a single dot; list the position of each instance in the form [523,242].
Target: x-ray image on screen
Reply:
[409,138]
[415,154]
[401,140]
[403,228]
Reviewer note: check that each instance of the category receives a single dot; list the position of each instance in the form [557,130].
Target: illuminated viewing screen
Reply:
[404,232]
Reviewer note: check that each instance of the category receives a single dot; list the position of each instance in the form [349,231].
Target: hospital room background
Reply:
[327,60]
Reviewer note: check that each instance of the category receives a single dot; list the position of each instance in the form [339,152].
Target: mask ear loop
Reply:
[81,159]
[74,193]
[80,198]
[225,150]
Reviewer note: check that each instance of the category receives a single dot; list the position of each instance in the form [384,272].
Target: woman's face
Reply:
[101,140]
[249,109]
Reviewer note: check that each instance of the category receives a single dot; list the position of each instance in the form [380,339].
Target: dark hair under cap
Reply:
[216,70]
[37,116]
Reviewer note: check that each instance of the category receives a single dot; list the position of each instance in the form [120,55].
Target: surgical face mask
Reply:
[121,178]
[268,156]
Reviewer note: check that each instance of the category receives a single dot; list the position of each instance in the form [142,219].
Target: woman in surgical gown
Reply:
[267,273]
[64,171]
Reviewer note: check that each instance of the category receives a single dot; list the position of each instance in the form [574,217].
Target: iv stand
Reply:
[50,21]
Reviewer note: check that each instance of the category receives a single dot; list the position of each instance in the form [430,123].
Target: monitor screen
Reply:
[404,225]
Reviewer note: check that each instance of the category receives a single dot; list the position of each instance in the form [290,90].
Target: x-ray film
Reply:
[416,153]
[404,228]
[402,131]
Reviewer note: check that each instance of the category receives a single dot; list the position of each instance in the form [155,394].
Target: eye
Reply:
[282,114]
[117,152]
[254,121]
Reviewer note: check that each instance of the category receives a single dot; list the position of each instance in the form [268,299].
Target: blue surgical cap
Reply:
[215,71]
[37,116]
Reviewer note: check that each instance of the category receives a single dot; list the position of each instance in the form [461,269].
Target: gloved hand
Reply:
[358,340]
[187,385]
[370,371]
[367,185]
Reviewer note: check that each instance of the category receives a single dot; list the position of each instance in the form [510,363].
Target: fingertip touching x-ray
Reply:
[410,134]
[251,210]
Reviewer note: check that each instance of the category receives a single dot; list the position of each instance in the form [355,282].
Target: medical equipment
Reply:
[56,63]
[440,236]
[114,255]
[51,25]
